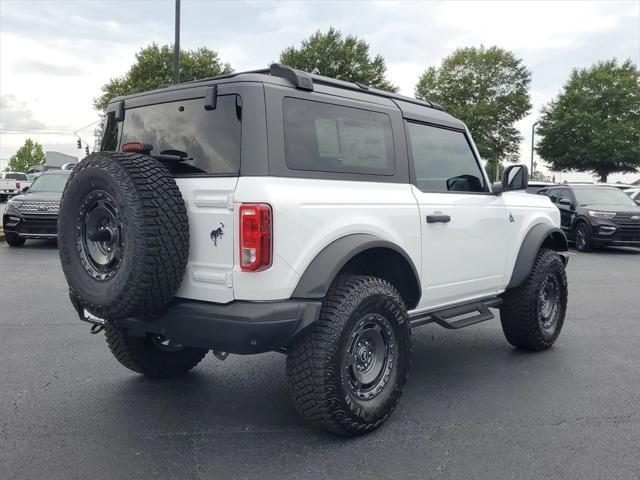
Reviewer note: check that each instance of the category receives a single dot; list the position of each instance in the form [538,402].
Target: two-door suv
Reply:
[277,210]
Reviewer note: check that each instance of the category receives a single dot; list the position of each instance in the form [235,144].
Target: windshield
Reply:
[601,196]
[49,183]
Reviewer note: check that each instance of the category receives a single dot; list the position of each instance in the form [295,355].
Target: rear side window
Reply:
[110,133]
[208,139]
[331,138]
[443,160]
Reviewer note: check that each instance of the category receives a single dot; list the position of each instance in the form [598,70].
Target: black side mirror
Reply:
[24,189]
[515,177]
[564,201]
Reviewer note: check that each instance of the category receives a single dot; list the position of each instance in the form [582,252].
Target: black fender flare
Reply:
[318,276]
[540,235]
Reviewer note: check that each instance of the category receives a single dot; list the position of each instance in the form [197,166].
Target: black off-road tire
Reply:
[13,240]
[317,363]
[150,233]
[521,314]
[142,355]
[583,237]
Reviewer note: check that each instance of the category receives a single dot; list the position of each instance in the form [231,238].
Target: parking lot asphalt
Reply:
[474,407]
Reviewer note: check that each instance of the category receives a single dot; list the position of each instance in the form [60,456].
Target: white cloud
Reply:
[55,56]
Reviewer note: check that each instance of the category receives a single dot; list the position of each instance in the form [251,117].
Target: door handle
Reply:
[438,218]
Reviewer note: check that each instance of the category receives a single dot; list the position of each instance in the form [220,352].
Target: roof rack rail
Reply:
[305,81]
[301,80]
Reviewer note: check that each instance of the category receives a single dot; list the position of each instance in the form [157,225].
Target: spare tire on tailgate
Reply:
[123,235]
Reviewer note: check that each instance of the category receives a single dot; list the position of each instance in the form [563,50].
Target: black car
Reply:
[34,214]
[594,216]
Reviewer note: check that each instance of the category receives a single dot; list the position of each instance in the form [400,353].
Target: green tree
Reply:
[345,58]
[27,156]
[488,89]
[153,68]
[594,123]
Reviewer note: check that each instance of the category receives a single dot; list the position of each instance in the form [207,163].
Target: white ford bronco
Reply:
[277,210]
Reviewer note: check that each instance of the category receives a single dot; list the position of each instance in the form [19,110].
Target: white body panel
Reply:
[465,257]
[309,214]
[210,206]
[470,257]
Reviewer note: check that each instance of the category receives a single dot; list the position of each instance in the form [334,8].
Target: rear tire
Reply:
[148,356]
[532,314]
[347,372]
[14,240]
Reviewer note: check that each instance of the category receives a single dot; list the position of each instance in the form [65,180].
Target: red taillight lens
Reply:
[17,185]
[133,147]
[255,236]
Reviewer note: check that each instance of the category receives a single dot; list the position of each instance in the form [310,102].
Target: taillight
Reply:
[255,236]
[17,185]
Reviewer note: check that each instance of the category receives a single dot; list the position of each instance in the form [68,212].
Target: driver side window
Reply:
[443,160]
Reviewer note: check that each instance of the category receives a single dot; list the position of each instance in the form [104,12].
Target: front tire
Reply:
[582,238]
[347,372]
[14,240]
[532,314]
[153,357]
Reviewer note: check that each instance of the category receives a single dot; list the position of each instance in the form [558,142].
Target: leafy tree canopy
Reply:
[153,68]
[594,123]
[345,58]
[488,89]
[27,156]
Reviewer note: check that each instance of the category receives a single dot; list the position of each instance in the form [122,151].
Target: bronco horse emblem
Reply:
[217,233]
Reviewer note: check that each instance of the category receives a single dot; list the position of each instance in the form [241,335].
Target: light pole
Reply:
[176,47]
[533,135]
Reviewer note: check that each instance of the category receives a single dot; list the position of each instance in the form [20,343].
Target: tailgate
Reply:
[209,274]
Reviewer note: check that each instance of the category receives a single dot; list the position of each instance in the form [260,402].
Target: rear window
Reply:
[16,176]
[331,138]
[209,138]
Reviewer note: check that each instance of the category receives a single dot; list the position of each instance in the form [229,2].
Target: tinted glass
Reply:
[110,134]
[331,138]
[17,176]
[209,138]
[564,193]
[601,196]
[49,183]
[443,160]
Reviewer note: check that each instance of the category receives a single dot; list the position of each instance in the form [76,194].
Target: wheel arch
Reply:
[540,236]
[363,254]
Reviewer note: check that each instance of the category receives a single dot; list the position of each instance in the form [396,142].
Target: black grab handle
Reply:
[438,218]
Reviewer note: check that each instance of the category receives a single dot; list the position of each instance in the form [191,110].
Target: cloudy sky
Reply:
[54,56]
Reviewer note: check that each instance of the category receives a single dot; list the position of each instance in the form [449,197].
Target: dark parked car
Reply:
[34,214]
[594,216]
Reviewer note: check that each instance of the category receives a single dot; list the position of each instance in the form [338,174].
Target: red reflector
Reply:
[133,147]
[255,236]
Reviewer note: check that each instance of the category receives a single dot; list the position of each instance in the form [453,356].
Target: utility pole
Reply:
[533,135]
[176,47]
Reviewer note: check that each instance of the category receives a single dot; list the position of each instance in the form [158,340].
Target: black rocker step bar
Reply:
[457,317]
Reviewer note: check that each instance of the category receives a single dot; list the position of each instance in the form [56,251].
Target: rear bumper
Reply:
[237,327]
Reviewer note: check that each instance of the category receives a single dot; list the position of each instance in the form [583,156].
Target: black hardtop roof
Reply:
[297,78]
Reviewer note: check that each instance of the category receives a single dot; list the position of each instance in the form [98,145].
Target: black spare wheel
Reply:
[123,235]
